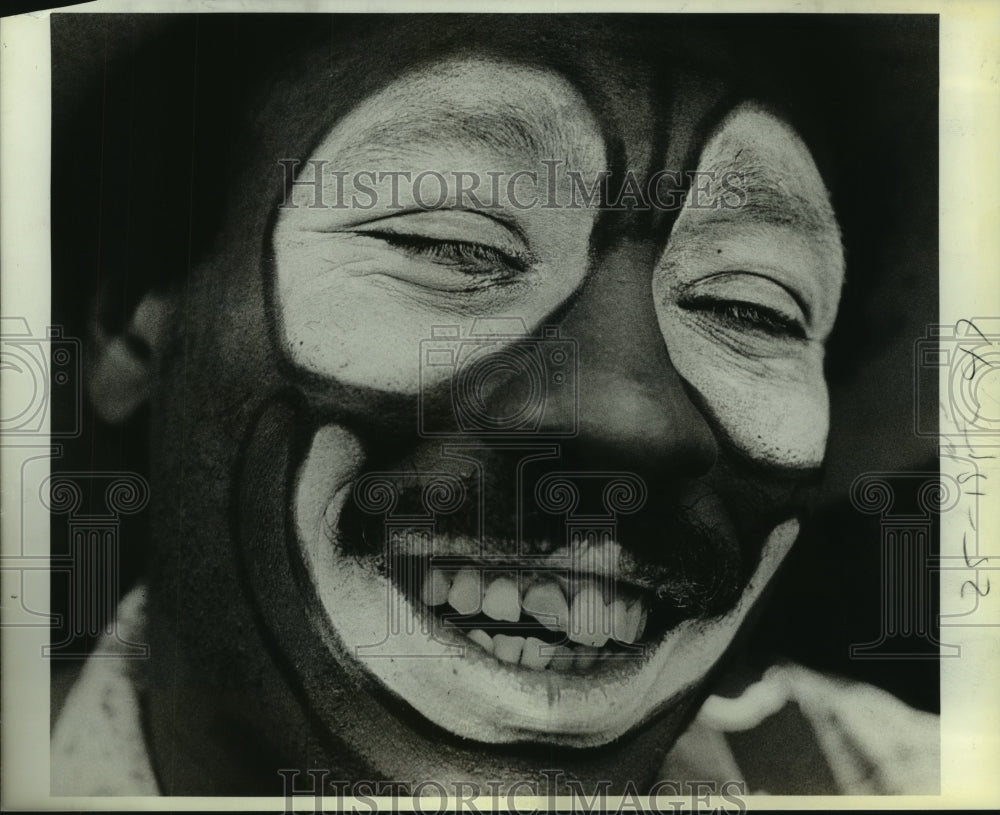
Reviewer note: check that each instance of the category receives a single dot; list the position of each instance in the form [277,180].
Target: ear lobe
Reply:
[124,366]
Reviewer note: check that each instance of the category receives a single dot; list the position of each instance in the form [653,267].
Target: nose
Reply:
[630,407]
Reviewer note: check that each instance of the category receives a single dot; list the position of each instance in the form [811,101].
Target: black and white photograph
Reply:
[500,408]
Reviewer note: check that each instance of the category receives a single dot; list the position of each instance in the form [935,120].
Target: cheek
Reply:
[334,460]
[781,424]
[776,411]
[353,317]
[341,315]
[361,332]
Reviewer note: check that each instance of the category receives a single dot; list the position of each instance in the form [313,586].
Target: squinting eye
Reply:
[474,259]
[747,316]
[747,304]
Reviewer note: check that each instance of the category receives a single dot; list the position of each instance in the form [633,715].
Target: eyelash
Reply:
[469,258]
[742,315]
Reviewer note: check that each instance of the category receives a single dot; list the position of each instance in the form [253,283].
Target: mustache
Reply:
[692,544]
[677,540]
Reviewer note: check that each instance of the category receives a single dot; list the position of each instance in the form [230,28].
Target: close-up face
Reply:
[496,469]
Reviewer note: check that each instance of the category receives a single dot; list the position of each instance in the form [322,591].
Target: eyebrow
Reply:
[770,202]
[503,129]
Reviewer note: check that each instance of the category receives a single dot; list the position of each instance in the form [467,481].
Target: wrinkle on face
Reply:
[767,395]
[470,115]
[356,303]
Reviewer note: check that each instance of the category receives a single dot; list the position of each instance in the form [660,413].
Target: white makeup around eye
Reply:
[359,287]
[757,299]
[746,297]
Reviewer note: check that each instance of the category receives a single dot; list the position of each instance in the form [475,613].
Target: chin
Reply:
[492,656]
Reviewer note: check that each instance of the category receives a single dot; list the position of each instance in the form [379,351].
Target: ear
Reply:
[124,366]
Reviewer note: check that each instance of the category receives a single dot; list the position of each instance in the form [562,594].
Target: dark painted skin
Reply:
[247,677]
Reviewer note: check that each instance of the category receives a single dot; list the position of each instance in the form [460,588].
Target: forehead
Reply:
[484,116]
[501,109]
[469,112]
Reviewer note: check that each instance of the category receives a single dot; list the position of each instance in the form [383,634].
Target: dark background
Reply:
[129,134]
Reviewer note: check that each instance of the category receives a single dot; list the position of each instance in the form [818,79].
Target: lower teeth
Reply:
[543,654]
[521,618]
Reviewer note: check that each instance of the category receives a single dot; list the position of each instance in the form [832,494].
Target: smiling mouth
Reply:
[574,647]
[539,619]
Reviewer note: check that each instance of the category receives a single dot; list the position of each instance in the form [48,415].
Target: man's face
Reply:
[548,539]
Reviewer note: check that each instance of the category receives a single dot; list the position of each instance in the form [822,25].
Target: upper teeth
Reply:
[591,619]
[547,604]
[588,617]
[436,588]
[466,594]
[502,600]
